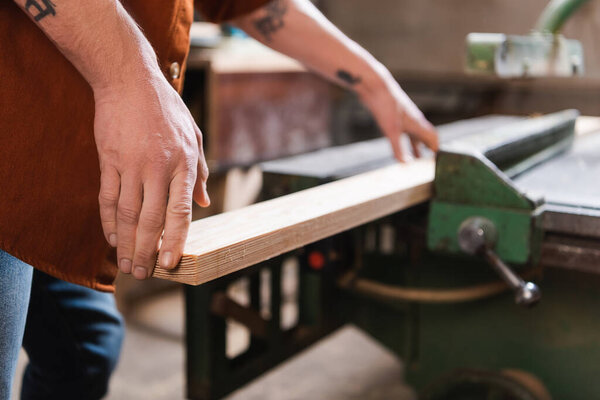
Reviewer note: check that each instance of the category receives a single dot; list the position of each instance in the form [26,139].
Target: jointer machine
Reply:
[431,268]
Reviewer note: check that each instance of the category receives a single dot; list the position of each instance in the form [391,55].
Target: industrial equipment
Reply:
[544,52]
[512,196]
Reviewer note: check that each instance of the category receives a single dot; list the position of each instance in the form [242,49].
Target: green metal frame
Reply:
[472,179]
[519,233]
[211,374]
[469,185]
[557,341]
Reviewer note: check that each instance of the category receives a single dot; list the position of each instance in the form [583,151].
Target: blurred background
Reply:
[254,105]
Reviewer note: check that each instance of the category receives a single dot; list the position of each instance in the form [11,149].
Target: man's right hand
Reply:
[149,147]
[152,166]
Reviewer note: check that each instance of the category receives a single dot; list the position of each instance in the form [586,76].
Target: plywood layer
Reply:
[231,241]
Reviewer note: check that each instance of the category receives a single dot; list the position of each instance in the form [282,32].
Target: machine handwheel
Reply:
[476,384]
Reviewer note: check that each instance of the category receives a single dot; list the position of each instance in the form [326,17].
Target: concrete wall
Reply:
[428,35]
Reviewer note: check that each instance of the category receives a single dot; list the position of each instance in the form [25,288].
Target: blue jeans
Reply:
[15,283]
[73,338]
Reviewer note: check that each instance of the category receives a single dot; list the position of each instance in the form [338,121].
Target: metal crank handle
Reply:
[478,236]
[527,294]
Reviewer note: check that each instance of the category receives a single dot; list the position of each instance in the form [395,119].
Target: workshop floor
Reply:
[346,365]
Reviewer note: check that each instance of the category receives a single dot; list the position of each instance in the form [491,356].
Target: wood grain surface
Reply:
[231,241]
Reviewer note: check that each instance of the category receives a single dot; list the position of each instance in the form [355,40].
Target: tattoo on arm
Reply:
[347,77]
[273,20]
[42,8]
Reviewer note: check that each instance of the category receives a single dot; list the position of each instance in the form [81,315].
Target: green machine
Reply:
[478,209]
[520,194]
[543,52]
[515,201]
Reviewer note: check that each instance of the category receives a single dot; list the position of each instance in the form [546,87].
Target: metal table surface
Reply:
[351,159]
[566,182]
[571,218]
[569,179]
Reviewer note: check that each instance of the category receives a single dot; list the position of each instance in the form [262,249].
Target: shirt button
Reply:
[174,70]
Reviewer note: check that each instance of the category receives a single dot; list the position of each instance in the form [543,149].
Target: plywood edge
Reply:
[385,191]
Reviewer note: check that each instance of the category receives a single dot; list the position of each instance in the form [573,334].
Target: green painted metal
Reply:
[470,178]
[211,373]
[556,13]
[515,229]
[471,181]
[200,331]
[557,341]
[468,185]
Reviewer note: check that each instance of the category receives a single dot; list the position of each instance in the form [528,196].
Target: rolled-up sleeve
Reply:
[225,10]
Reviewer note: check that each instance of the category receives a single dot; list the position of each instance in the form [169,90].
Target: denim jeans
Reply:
[73,338]
[15,283]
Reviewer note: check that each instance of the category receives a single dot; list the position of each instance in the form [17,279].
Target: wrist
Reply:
[131,78]
[129,61]
[375,82]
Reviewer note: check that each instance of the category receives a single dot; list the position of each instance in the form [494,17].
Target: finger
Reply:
[177,222]
[108,198]
[150,226]
[396,147]
[424,131]
[200,193]
[415,147]
[128,212]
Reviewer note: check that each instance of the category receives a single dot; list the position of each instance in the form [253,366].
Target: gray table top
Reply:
[571,178]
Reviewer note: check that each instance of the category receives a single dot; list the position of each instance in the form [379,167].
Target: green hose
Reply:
[556,13]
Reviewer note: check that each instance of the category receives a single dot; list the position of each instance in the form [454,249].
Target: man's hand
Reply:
[152,164]
[296,28]
[149,147]
[396,114]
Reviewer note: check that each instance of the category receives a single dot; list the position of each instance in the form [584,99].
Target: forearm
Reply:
[149,147]
[296,28]
[98,37]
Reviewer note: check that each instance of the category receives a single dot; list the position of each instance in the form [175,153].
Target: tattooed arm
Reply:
[297,29]
[149,147]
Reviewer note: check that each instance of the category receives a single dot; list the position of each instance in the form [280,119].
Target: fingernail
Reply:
[125,265]
[140,273]
[112,239]
[166,259]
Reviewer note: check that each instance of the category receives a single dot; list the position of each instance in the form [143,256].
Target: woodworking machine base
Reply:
[408,281]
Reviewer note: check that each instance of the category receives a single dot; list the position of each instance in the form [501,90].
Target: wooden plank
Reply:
[228,242]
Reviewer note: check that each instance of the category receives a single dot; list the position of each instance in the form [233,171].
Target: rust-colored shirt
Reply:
[49,173]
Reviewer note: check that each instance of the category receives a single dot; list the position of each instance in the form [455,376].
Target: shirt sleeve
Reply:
[225,10]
